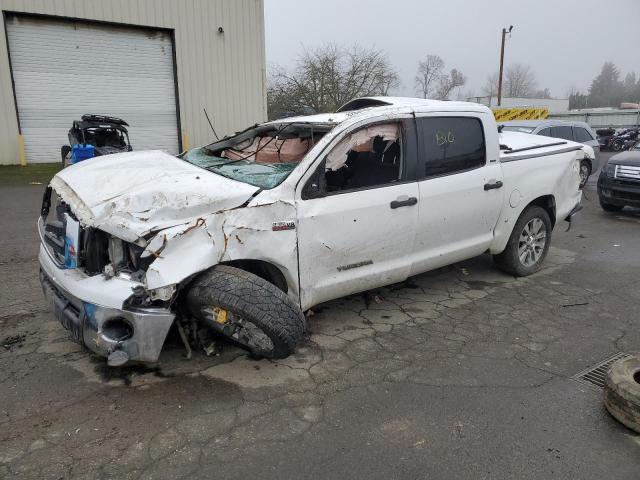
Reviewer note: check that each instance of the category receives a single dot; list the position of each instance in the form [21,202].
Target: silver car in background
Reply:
[579,132]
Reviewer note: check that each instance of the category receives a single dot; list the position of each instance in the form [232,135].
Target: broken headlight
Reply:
[126,258]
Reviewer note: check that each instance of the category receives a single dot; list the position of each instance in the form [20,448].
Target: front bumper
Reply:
[87,306]
[619,192]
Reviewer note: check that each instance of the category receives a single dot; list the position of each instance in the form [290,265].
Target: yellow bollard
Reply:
[21,155]
[185,141]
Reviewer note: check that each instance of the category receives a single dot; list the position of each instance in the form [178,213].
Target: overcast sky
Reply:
[564,41]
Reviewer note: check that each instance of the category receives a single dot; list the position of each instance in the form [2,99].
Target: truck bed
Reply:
[518,146]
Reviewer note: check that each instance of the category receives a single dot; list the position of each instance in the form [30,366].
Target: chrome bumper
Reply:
[86,320]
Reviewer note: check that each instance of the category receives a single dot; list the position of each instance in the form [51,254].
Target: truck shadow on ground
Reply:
[422,303]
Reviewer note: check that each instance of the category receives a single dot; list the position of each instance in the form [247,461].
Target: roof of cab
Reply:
[365,106]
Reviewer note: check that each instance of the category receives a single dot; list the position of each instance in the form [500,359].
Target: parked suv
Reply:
[575,131]
[619,182]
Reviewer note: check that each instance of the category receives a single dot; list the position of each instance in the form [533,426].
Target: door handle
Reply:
[403,202]
[493,186]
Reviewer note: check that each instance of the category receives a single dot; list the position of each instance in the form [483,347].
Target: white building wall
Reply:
[222,72]
[599,118]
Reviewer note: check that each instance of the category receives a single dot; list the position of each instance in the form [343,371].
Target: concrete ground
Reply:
[459,373]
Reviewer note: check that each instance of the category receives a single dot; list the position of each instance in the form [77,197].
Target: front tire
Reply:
[528,244]
[245,308]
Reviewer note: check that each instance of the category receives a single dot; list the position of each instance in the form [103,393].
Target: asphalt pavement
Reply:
[459,373]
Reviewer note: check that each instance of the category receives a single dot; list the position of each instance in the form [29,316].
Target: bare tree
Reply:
[448,83]
[433,82]
[429,75]
[519,81]
[491,85]
[327,77]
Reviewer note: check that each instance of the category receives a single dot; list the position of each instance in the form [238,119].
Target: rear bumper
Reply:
[616,192]
[75,304]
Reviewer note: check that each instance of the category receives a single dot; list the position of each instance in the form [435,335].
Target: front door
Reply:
[357,215]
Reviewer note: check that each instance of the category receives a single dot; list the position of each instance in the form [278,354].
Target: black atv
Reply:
[106,134]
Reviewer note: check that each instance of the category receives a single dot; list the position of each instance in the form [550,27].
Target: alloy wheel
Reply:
[532,241]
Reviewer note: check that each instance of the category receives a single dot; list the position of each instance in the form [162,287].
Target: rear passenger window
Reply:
[562,132]
[545,132]
[581,135]
[449,145]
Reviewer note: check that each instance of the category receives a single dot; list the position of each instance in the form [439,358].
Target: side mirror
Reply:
[316,185]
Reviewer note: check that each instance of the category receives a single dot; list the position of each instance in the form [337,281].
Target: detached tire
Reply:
[622,392]
[528,244]
[241,306]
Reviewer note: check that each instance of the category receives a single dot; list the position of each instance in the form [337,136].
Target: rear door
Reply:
[562,131]
[357,213]
[461,192]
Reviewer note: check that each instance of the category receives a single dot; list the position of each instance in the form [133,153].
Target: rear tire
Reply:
[528,244]
[256,314]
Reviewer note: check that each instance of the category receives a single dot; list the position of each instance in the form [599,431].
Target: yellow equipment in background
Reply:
[520,113]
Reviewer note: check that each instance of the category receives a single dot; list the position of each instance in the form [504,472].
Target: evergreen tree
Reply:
[607,90]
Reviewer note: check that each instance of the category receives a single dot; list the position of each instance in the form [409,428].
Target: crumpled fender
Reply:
[236,234]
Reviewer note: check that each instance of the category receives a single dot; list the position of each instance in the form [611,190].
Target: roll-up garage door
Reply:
[63,69]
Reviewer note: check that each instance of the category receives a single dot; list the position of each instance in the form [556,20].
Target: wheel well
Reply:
[548,202]
[264,270]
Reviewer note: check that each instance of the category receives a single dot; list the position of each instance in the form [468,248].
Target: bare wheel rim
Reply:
[531,242]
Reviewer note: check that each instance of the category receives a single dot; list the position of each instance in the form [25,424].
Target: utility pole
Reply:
[504,35]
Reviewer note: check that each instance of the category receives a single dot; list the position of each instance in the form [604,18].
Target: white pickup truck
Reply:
[244,235]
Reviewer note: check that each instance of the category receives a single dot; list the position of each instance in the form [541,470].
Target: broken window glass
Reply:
[366,158]
[262,156]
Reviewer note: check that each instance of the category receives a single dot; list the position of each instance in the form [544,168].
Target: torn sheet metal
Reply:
[222,237]
[132,194]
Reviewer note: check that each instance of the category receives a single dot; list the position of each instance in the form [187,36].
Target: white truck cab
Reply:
[247,233]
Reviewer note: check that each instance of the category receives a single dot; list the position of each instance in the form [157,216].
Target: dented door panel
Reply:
[354,241]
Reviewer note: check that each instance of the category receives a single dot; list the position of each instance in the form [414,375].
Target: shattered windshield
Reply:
[262,156]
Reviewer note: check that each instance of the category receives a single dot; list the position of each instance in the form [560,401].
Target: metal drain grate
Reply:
[596,375]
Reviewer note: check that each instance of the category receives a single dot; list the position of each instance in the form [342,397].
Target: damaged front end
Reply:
[115,259]
[95,284]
